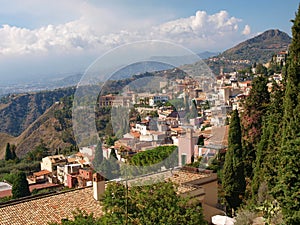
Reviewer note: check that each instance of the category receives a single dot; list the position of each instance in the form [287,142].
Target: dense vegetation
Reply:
[270,125]
[234,183]
[153,156]
[20,186]
[151,204]
[153,160]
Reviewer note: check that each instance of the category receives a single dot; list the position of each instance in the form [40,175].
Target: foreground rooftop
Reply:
[49,209]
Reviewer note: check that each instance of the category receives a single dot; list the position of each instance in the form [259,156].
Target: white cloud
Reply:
[200,31]
[71,46]
[247,30]
[70,36]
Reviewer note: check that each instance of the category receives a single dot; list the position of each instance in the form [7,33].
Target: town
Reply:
[191,114]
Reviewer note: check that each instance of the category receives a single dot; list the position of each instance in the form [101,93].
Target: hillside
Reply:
[5,138]
[46,129]
[18,111]
[258,49]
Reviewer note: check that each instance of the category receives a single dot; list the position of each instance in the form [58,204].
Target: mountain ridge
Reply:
[42,130]
[259,48]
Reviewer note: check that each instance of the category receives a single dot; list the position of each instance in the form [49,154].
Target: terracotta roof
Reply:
[42,186]
[79,154]
[135,134]
[50,209]
[181,177]
[176,128]
[41,173]
[82,161]
[71,160]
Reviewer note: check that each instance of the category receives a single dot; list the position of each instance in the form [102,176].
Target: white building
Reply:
[50,162]
[157,98]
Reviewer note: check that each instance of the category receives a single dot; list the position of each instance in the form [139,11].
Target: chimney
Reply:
[98,186]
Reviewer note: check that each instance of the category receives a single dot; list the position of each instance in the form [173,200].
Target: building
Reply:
[40,177]
[153,100]
[280,57]
[186,145]
[106,100]
[200,187]
[49,208]
[64,170]
[50,163]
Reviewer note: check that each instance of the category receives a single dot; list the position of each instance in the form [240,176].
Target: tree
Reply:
[13,152]
[113,154]
[291,106]
[151,204]
[110,141]
[98,155]
[287,188]
[260,69]
[20,186]
[268,148]
[8,154]
[255,107]
[233,182]
[80,218]
[114,164]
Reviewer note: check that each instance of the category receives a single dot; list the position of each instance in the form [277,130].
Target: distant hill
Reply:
[258,49]
[45,129]
[18,111]
[206,54]
[29,119]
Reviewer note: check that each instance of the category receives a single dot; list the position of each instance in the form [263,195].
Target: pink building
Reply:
[186,147]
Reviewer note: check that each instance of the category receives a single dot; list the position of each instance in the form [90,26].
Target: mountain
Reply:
[261,48]
[258,49]
[18,111]
[206,54]
[53,128]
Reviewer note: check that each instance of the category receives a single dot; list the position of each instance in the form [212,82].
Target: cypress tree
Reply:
[267,149]
[98,155]
[8,154]
[287,188]
[20,186]
[255,107]
[291,127]
[233,182]
[113,154]
[13,152]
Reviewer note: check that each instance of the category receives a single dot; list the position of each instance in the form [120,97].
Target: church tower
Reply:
[98,186]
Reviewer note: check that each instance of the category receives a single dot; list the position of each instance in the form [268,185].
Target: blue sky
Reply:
[44,38]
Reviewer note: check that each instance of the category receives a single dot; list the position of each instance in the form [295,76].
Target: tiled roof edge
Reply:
[35,197]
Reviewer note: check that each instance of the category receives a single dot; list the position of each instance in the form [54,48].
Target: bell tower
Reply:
[98,186]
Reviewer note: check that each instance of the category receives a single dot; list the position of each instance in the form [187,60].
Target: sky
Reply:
[41,39]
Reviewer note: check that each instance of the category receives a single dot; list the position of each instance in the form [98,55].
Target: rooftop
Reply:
[41,173]
[8,192]
[51,208]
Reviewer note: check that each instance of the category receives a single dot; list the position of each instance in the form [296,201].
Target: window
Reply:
[183,159]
